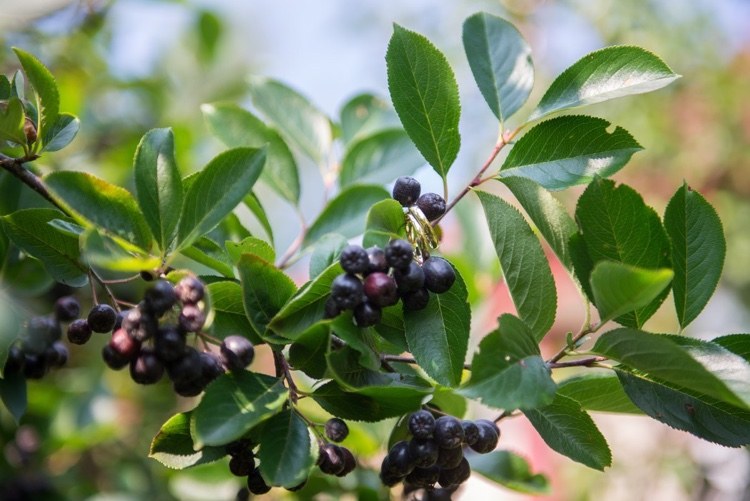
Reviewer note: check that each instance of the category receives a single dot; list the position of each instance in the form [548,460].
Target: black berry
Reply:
[399,458]
[367,315]
[349,462]
[211,367]
[406,190]
[237,352]
[256,484]
[423,451]
[56,355]
[399,253]
[35,366]
[449,458]
[423,477]
[146,368]
[354,259]
[438,274]
[189,290]
[488,437]
[330,459]
[416,300]
[331,309]
[140,324]
[113,359]
[432,205]
[421,424]
[388,476]
[191,318]
[160,297]
[238,447]
[336,429]
[15,361]
[79,331]
[471,432]
[448,432]
[124,345]
[169,343]
[102,318]
[191,388]
[346,291]
[187,368]
[241,465]
[67,308]
[455,476]
[40,333]
[376,256]
[409,279]
[380,289]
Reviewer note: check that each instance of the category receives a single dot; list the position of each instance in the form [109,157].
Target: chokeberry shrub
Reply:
[176,288]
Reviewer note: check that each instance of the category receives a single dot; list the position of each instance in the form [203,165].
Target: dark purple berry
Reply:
[191,388]
[432,205]
[191,318]
[35,366]
[440,494]
[243,494]
[399,253]
[118,321]
[124,345]
[416,300]
[56,355]
[336,429]
[169,343]
[140,324]
[471,432]
[349,462]
[409,279]
[450,458]
[455,476]
[424,452]
[102,318]
[380,289]
[160,297]
[489,435]
[40,333]
[448,433]
[421,424]
[354,259]
[113,359]
[399,458]
[237,352]
[256,484]
[146,368]
[388,476]
[241,465]
[330,459]
[438,274]
[15,361]
[346,291]
[237,447]
[67,308]
[79,331]
[406,190]
[367,315]
[423,477]
[189,290]
[376,256]
[187,368]
[331,310]
[211,367]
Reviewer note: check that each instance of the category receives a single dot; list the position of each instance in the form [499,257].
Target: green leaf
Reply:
[4,88]
[62,133]
[305,126]
[619,288]
[265,290]
[703,416]
[45,88]
[112,254]
[253,204]
[29,229]
[308,352]
[391,327]
[159,185]
[173,445]
[358,407]
[438,335]
[287,451]
[233,404]
[569,150]
[597,391]
[385,221]
[361,340]
[326,252]
[344,364]
[208,253]
[736,343]
[500,60]
[698,251]
[569,430]
[525,267]
[346,213]
[12,119]
[307,306]
[618,226]
[250,245]
[547,213]
[605,74]
[424,92]
[509,470]
[508,371]
[229,311]
[217,190]
[364,115]
[237,127]
[95,202]
[13,395]
[380,158]
[699,366]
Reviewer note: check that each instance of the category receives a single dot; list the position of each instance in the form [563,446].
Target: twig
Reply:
[282,370]
[583,362]
[407,360]
[564,350]
[16,168]
[295,245]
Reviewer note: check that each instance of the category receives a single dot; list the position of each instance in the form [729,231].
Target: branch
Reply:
[282,369]
[584,362]
[564,350]
[408,360]
[16,168]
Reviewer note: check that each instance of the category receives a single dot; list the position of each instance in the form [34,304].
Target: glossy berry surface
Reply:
[211,367]
[432,205]
[330,459]
[416,300]
[471,432]
[331,309]
[140,324]
[169,343]
[79,331]
[186,368]
[487,438]
[67,308]
[380,289]
[409,279]
[256,484]
[448,433]
[423,477]
[160,297]
[349,462]
[346,291]
[367,315]
[376,256]
[439,275]
[56,355]
[35,366]
[455,476]
[423,451]
[124,345]
[336,429]
[399,253]
[354,259]
[189,290]
[449,458]
[191,318]
[241,465]
[237,352]
[399,458]
[102,318]
[406,190]
[421,424]
[146,368]
[113,359]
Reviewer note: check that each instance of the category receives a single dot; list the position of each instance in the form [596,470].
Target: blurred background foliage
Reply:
[126,67]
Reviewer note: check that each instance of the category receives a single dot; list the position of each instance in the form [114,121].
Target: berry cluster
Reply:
[375,278]
[332,459]
[435,453]
[151,339]
[407,190]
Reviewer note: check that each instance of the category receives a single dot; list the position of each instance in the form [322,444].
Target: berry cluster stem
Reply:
[282,369]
